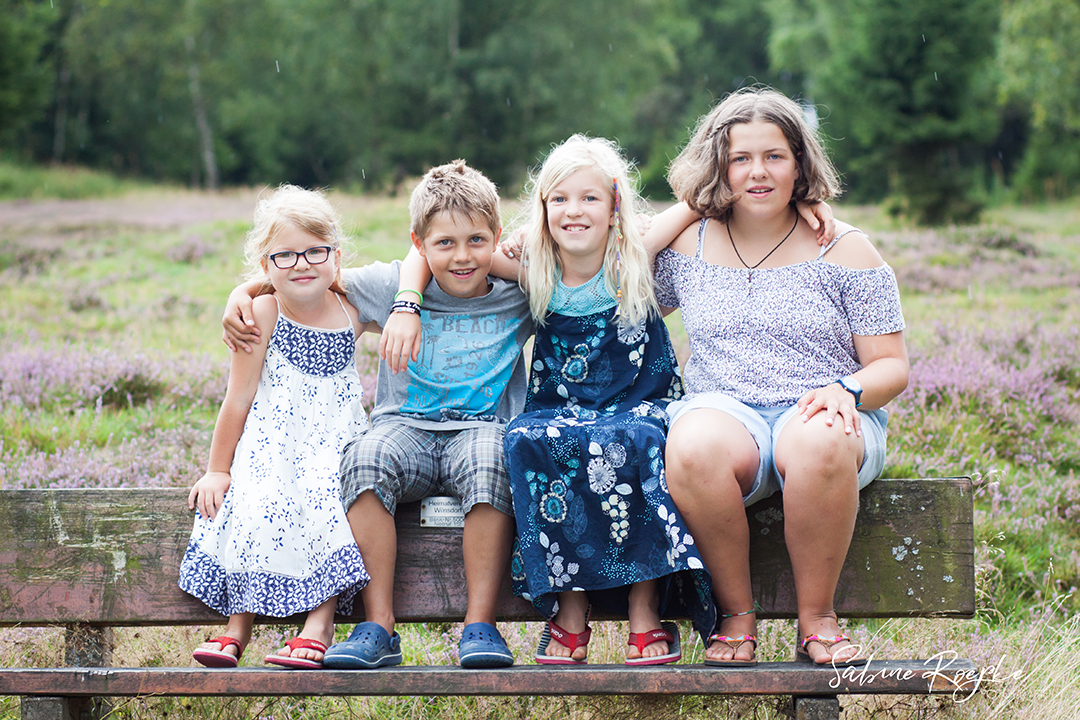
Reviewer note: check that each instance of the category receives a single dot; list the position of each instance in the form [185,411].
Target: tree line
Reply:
[932,105]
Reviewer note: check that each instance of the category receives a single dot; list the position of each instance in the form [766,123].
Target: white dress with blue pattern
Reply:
[281,544]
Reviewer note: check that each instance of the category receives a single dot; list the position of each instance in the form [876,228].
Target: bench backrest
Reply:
[111,557]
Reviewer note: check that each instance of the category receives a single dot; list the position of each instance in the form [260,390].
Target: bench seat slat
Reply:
[111,557]
[908,676]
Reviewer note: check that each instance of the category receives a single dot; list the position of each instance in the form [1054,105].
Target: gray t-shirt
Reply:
[470,368]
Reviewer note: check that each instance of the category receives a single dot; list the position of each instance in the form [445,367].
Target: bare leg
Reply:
[318,626]
[239,627]
[487,543]
[573,607]
[712,461]
[375,535]
[644,613]
[821,499]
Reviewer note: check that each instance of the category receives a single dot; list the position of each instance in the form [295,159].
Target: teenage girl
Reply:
[270,536]
[795,348]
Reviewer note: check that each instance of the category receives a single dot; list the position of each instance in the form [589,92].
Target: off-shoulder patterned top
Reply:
[767,336]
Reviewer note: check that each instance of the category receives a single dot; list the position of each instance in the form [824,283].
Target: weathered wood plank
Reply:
[111,557]
[907,676]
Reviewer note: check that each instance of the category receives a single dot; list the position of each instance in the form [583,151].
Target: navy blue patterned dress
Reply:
[586,464]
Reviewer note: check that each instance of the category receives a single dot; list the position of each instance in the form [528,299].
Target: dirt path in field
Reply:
[157,209]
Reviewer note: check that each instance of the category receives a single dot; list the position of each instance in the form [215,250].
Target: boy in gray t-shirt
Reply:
[438,427]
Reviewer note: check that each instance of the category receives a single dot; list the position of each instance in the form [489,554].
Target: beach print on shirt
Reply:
[464,366]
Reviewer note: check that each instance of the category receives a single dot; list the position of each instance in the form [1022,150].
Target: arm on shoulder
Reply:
[359,327]
[668,227]
[240,328]
[506,267]
[854,250]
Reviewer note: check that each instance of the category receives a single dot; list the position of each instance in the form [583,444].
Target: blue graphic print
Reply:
[464,366]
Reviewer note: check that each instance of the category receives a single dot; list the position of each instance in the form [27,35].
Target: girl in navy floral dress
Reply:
[271,537]
[586,460]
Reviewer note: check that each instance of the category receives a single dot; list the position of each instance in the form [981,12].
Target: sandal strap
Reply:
[225,641]
[717,637]
[302,643]
[569,639]
[826,642]
[643,640]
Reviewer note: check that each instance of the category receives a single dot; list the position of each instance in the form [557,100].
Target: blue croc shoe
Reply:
[482,646]
[369,646]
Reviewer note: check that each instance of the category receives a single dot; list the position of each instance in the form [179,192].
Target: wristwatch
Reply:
[852,386]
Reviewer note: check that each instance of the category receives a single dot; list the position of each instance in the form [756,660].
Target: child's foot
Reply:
[299,652]
[568,632]
[644,646]
[644,603]
[307,649]
[641,630]
[220,652]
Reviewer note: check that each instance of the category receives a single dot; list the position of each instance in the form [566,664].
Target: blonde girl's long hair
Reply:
[308,210]
[627,271]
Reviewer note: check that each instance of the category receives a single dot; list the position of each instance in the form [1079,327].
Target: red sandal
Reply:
[669,633]
[567,639]
[219,658]
[295,663]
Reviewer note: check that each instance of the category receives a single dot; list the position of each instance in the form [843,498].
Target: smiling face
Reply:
[580,212]
[761,167]
[458,249]
[304,281]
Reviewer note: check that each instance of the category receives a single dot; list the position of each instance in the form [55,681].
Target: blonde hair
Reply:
[699,175]
[457,189]
[308,210]
[540,262]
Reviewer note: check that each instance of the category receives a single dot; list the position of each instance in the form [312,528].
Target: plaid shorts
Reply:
[402,463]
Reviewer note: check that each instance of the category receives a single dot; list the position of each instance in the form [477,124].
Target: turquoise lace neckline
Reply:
[587,299]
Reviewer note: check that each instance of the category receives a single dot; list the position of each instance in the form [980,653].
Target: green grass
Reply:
[19,182]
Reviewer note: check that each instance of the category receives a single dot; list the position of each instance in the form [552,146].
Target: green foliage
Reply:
[719,47]
[23,77]
[1040,72]
[366,94]
[907,89]
[393,87]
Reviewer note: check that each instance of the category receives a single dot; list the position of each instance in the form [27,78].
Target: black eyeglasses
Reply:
[288,259]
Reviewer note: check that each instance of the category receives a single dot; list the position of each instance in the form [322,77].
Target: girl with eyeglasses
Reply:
[270,536]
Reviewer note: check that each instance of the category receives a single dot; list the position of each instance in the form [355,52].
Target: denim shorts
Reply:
[765,425]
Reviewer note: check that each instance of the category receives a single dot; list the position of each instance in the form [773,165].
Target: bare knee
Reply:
[706,457]
[814,449]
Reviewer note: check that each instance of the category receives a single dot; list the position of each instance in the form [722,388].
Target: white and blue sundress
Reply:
[281,544]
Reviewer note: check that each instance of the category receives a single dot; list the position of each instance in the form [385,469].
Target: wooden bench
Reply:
[94,559]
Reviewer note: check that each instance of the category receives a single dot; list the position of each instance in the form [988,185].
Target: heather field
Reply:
[111,370]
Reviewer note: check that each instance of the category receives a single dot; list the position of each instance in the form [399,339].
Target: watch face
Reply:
[851,385]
